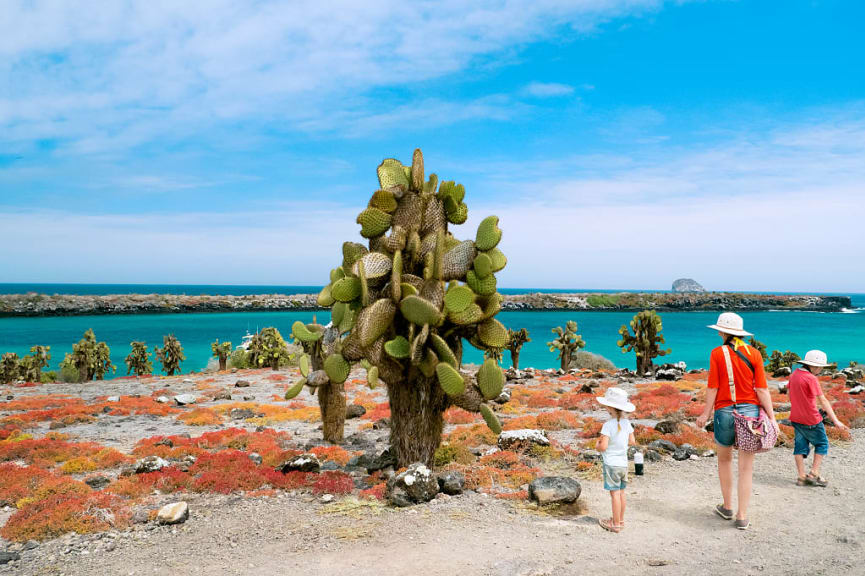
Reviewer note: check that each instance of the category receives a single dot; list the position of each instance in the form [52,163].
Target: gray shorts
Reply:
[615,477]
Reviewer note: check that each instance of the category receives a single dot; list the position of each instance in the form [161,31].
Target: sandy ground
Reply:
[794,531]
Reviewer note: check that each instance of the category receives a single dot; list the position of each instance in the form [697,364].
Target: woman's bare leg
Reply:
[746,473]
[725,473]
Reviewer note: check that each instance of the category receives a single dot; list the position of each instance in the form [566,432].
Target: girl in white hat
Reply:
[616,435]
[804,390]
[748,392]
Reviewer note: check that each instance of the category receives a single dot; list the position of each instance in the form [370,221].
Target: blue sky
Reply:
[623,143]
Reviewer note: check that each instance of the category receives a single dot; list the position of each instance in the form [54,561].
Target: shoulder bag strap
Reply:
[730,376]
[743,357]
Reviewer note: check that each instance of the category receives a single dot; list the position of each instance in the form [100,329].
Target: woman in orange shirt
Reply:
[751,393]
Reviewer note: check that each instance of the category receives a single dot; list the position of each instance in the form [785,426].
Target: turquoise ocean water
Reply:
[841,335]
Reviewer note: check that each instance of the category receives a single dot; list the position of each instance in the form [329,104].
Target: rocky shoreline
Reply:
[12,305]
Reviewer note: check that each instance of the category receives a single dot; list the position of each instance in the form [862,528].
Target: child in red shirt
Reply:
[804,390]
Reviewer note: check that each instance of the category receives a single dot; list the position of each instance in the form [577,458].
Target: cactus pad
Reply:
[374,320]
[304,365]
[442,350]
[491,379]
[383,200]
[391,175]
[482,286]
[493,333]
[450,380]
[337,368]
[397,348]
[372,377]
[376,267]
[489,234]
[304,334]
[373,222]
[346,289]
[483,266]
[458,298]
[498,259]
[419,311]
[351,252]
[470,315]
[417,170]
[491,419]
[325,299]
[295,390]
[458,261]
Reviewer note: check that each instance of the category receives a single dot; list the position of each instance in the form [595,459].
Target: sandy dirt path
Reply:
[794,531]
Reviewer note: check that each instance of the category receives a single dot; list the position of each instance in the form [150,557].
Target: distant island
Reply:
[82,305]
[687,285]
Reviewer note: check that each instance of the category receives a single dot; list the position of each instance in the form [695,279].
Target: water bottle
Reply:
[638,463]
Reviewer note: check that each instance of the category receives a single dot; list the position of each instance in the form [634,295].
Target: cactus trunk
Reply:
[331,400]
[417,406]
[515,359]
[223,363]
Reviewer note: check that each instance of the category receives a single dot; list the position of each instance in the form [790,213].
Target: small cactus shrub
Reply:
[566,343]
[170,355]
[138,360]
[89,360]
[516,340]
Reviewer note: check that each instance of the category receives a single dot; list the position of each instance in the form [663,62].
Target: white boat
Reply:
[245,342]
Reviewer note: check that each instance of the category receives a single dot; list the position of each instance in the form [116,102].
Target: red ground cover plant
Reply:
[583,401]
[200,417]
[333,482]
[492,479]
[645,434]
[377,412]
[557,420]
[591,428]
[17,482]
[225,472]
[374,493]
[699,439]
[455,415]
[834,433]
[518,495]
[472,436]
[128,405]
[851,412]
[167,480]
[504,459]
[271,445]
[54,449]
[520,422]
[659,402]
[332,453]
[57,515]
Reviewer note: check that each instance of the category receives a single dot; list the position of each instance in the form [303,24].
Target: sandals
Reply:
[724,513]
[816,480]
[803,481]
[607,524]
[742,524]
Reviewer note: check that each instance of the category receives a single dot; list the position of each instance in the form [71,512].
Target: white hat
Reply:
[815,358]
[730,323]
[616,398]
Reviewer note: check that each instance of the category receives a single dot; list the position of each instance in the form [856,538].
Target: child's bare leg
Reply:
[746,472]
[615,495]
[623,506]
[800,465]
[725,473]
[815,467]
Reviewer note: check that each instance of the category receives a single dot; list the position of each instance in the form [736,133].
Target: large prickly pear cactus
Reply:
[268,348]
[9,368]
[138,360]
[402,303]
[516,339]
[645,339]
[90,358]
[221,351]
[170,355]
[567,342]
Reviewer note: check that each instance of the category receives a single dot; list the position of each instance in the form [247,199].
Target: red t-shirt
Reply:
[746,380]
[804,388]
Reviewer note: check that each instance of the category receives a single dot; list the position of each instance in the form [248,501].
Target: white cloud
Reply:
[113,74]
[548,90]
[741,214]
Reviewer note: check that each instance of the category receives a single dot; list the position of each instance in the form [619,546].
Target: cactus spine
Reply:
[516,339]
[170,355]
[644,338]
[138,360]
[417,292]
[567,342]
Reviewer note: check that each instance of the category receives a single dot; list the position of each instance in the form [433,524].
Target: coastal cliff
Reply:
[81,305]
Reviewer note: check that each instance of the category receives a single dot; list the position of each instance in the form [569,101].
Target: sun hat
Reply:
[730,323]
[616,398]
[815,358]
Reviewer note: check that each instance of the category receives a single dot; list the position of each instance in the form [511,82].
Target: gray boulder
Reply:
[662,446]
[354,411]
[415,485]
[184,399]
[525,438]
[452,483]
[174,513]
[667,426]
[554,490]
[150,464]
[6,557]
[304,463]
[242,384]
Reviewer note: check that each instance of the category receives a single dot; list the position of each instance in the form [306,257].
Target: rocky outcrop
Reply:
[80,305]
[687,285]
